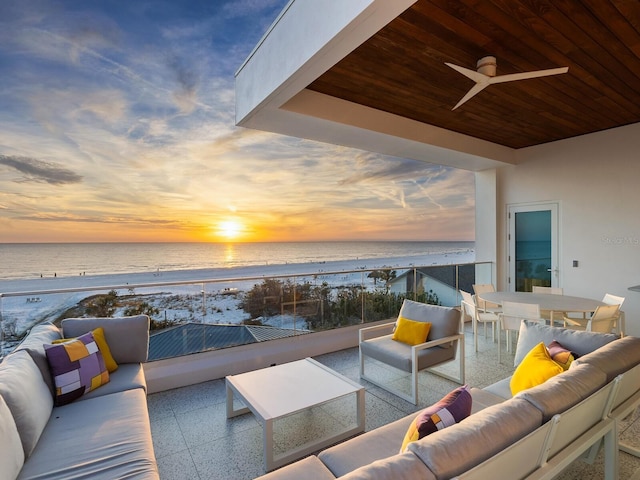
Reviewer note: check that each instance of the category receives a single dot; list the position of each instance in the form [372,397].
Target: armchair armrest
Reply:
[439,341]
[387,327]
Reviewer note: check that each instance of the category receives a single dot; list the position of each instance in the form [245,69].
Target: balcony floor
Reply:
[194,440]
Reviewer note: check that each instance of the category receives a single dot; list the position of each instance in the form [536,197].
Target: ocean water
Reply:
[32,260]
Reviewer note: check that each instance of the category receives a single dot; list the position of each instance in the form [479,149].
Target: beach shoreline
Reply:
[33,285]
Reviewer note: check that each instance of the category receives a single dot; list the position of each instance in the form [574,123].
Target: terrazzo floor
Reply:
[193,439]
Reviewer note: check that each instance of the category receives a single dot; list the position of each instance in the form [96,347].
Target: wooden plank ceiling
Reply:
[402,68]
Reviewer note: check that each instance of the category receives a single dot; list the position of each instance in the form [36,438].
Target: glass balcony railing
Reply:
[194,316]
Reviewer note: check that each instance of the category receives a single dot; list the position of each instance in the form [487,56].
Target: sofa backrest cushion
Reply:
[563,391]
[11,452]
[445,321]
[40,335]
[458,448]
[579,342]
[27,396]
[127,337]
[614,358]
[403,465]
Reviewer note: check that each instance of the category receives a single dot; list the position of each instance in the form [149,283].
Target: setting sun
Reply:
[230,229]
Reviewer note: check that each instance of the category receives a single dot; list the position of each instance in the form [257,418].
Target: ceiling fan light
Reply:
[487,66]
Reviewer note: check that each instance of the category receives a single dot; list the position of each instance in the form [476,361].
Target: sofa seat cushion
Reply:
[404,465]
[458,448]
[309,468]
[614,358]
[482,399]
[502,389]
[11,452]
[27,396]
[100,438]
[579,342]
[398,354]
[127,377]
[563,391]
[382,442]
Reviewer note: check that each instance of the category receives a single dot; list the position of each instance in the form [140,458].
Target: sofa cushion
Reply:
[563,391]
[615,358]
[77,367]
[579,342]
[40,335]
[500,389]
[127,377]
[128,337]
[27,397]
[482,399]
[411,332]
[11,452]
[403,465]
[309,468]
[445,321]
[482,435]
[44,333]
[398,354]
[364,449]
[79,443]
[536,368]
[451,409]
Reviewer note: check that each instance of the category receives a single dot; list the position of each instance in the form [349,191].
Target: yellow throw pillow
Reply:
[103,346]
[536,367]
[411,332]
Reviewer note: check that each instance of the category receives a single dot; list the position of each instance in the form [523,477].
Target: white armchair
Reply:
[444,343]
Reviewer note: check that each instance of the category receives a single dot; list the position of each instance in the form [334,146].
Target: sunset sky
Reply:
[117,125]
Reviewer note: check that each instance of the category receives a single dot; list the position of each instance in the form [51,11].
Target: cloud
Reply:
[39,171]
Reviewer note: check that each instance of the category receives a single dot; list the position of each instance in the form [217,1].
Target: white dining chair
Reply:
[603,320]
[551,290]
[484,306]
[609,299]
[512,315]
[469,307]
[558,316]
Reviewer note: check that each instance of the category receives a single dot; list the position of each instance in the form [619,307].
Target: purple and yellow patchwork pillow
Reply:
[453,408]
[77,367]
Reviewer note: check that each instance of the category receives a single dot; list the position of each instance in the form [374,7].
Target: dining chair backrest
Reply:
[468,308]
[467,297]
[551,290]
[603,319]
[479,289]
[613,299]
[513,313]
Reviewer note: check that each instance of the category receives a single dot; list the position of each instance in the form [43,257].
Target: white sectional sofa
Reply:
[534,434]
[104,434]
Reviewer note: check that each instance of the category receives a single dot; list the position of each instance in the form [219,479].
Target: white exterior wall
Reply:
[596,181]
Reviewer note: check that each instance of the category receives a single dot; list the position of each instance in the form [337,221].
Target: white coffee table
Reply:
[276,392]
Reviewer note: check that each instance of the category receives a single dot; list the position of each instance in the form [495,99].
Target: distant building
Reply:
[440,280]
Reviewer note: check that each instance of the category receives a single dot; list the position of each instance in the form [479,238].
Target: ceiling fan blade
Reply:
[477,88]
[526,75]
[472,74]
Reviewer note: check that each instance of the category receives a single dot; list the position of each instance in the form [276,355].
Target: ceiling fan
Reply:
[486,75]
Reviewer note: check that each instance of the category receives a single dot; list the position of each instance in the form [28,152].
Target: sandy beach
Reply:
[214,298]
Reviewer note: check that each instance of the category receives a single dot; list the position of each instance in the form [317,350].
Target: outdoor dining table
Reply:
[548,302]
